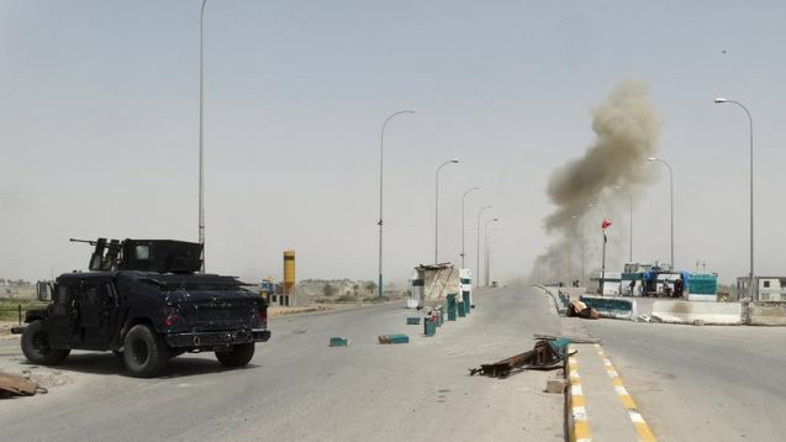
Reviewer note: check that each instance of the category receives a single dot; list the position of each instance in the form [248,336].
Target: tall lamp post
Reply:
[477,251]
[464,197]
[201,134]
[486,230]
[436,208]
[750,125]
[381,163]
[671,188]
[630,221]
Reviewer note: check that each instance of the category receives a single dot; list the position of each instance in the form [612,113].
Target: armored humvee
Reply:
[145,301]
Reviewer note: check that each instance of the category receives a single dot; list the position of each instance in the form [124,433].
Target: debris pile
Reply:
[546,355]
[582,310]
[14,385]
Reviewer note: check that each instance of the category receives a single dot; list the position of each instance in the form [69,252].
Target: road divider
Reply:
[618,308]
[767,313]
[686,312]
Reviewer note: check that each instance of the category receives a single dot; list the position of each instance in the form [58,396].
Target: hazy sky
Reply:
[99,119]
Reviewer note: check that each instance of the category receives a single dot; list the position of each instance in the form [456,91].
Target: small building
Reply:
[766,288]
[432,283]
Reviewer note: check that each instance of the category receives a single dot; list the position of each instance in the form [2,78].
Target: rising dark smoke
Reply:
[626,127]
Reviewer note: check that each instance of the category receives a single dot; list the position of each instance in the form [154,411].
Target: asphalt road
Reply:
[701,383]
[297,388]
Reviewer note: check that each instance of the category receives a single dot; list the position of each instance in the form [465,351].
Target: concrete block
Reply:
[687,312]
[612,307]
[556,386]
[767,314]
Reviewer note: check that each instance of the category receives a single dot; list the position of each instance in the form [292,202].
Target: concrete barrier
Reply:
[612,307]
[767,313]
[686,312]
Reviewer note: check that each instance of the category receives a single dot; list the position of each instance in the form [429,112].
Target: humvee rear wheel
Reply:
[36,346]
[144,352]
[239,356]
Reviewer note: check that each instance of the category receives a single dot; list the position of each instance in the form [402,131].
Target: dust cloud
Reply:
[613,168]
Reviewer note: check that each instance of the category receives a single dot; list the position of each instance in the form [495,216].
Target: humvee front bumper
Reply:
[216,339]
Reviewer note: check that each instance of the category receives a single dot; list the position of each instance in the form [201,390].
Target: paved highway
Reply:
[701,383]
[297,388]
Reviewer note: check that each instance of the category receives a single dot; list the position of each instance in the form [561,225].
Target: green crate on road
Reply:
[465,297]
[429,327]
[339,342]
[413,320]
[451,306]
[394,339]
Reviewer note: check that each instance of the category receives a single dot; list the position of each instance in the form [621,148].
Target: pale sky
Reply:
[99,120]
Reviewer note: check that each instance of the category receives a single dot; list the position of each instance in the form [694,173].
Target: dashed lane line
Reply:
[642,429]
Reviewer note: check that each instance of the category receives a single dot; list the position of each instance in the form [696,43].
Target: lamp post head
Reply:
[652,159]
[618,187]
[496,219]
[720,100]
[454,161]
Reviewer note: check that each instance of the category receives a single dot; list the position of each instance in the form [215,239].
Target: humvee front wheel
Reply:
[144,352]
[238,356]
[37,348]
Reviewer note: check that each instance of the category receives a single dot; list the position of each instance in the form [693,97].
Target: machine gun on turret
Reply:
[147,255]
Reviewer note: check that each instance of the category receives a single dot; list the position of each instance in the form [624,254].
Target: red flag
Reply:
[605,224]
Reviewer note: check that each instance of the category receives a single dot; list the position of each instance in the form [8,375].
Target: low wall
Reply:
[685,312]
[608,307]
[767,313]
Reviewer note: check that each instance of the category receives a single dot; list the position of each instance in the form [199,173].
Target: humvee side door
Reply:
[97,313]
[63,314]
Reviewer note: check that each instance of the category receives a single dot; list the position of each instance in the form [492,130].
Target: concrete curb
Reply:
[577,420]
[576,412]
[560,308]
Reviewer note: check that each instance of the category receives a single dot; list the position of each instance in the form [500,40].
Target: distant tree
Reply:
[371,286]
[328,290]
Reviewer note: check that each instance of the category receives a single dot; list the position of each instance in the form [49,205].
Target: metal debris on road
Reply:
[546,355]
[573,339]
[582,310]
[394,339]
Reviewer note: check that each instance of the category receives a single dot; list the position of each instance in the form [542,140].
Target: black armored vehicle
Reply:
[145,301]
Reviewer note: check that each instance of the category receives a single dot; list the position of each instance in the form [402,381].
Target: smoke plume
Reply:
[626,130]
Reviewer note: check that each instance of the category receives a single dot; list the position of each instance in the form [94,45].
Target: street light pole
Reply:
[486,230]
[201,135]
[380,290]
[436,208]
[750,125]
[464,197]
[477,251]
[630,219]
[671,186]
